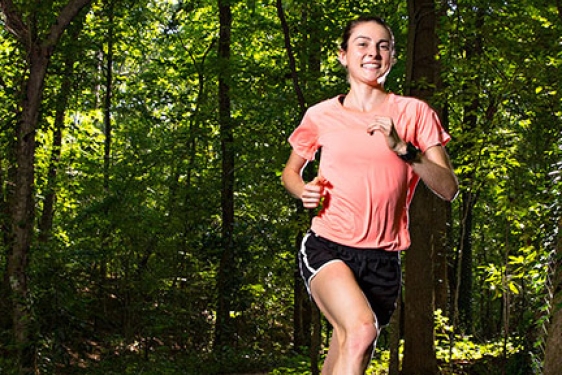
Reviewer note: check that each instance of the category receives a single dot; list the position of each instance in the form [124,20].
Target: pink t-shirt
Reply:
[369,188]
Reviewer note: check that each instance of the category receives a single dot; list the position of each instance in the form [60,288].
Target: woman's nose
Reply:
[375,52]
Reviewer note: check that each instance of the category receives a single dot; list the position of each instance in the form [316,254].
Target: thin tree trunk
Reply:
[6,197]
[224,335]
[291,57]
[311,15]
[443,255]
[463,302]
[46,221]
[395,328]
[302,314]
[305,317]
[316,340]
[462,282]
[47,214]
[108,130]
[553,353]
[106,229]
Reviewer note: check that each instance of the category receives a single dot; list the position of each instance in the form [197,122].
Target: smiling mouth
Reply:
[371,65]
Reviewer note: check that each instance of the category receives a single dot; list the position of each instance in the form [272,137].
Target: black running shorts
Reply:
[378,272]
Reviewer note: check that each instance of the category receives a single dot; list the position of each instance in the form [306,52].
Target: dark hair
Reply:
[362,19]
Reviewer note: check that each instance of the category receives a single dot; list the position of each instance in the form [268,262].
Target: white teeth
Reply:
[371,66]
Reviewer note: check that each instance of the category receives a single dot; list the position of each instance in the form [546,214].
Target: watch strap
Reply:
[412,153]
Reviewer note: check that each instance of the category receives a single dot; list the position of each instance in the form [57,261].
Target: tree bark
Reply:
[395,328]
[224,334]
[419,337]
[22,211]
[428,213]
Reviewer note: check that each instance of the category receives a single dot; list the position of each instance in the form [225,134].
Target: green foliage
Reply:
[126,282]
[452,347]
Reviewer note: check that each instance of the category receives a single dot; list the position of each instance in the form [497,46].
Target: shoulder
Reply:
[322,107]
[315,116]
[410,104]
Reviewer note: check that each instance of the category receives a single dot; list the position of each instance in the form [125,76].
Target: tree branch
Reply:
[14,23]
[67,14]
[291,57]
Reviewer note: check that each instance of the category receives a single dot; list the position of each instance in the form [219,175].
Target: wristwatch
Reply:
[412,153]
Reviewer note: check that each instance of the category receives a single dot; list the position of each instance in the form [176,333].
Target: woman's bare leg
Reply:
[331,358]
[340,299]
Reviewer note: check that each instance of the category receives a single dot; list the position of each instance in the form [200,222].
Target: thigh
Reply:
[339,297]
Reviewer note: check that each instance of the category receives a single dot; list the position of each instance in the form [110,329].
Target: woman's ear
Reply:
[342,57]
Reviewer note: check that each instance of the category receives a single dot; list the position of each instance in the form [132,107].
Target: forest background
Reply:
[144,225]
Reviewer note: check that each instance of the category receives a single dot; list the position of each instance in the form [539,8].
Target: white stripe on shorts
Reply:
[305,261]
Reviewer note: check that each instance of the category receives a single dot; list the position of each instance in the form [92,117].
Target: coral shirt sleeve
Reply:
[430,131]
[304,139]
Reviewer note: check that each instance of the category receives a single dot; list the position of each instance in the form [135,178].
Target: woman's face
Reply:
[369,54]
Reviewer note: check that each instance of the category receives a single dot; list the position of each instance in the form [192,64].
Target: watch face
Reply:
[411,152]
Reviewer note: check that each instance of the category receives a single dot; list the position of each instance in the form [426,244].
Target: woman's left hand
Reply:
[385,125]
[433,166]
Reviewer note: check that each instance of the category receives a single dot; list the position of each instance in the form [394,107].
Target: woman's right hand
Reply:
[313,192]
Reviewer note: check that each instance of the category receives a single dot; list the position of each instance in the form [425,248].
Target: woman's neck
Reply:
[364,101]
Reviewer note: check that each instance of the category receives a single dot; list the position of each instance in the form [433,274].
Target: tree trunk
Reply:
[316,340]
[463,298]
[427,210]
[224,334]
[553,353]
[107,125]
[6,197]
[395,328]
[302,314]
[463,291]
[22,210]
[303,310]
[419,338]
[291,57]
[46,221]
[441,266]
[311,15]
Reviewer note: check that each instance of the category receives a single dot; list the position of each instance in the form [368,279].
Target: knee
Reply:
[360,338]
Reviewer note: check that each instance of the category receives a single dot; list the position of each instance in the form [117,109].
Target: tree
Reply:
[428,213]
[553,355]
[553,351]
[39,50]
[303,309]
[127,252]
[46,221]
[225,282]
